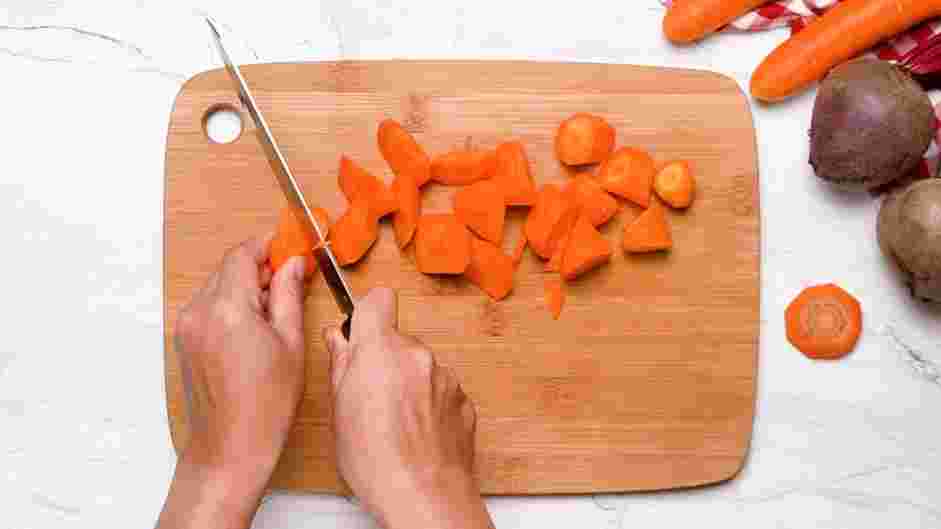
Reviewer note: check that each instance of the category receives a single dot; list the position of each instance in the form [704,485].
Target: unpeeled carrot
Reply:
[824,322]
[650,231]
[463,166]
[586,249]
[359,184]
[675,184]
[480,207]
[403,154]
[690,20]
[354,233]
[552,207]
[293,238]
[490,269]
[592,199]
[513,175]
[555,296]
[584,138]
[442,245]
[629,174]
[843,32]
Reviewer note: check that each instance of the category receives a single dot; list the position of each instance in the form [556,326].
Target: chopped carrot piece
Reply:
[519,249]
[586,249]
[674,183]
[480,207]
[554,264]
[584,138]
[824,322]
[406,218]
[592,199]
[359,184]
[552,208]
[629,174]
[403,154]
[463,167]
[650,231]
[354,233]
[293,238]
[490,269]
[555,296]
[513,176]
[442,245]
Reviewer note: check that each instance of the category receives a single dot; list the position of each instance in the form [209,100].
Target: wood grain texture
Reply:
[648,379]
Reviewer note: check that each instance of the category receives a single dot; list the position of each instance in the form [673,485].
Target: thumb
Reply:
[340,355]
[375,314]
[286,302]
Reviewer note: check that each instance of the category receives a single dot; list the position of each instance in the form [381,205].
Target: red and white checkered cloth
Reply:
[796,14]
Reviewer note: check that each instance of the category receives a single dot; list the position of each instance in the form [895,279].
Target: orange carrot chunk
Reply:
[442,245]
[293,238]
[554,264]
[674,183]
[463,167]
[490,269]
[406,219]
[354,233]
[586,249]
[552,207]
[513,176]
[584,138]
[592,199]
[519,249]
[403,154]
[629,174]
[481,208]
[824,322]
[555,296]
[359,184]
[650,231]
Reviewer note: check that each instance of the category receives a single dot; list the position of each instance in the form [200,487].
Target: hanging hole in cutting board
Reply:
[222,124]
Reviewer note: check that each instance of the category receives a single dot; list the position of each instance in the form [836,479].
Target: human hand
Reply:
[404,427]
[240,343]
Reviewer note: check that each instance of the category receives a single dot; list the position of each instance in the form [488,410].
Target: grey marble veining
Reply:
[83,434]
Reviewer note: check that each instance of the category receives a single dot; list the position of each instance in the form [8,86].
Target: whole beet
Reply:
[910,235]
[872,124]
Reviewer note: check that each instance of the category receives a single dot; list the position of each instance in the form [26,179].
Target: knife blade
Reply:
[292,192]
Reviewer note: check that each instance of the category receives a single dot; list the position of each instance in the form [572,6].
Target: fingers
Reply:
[374,316]
[264,276]
[240,268]
[286,303]
[340,355]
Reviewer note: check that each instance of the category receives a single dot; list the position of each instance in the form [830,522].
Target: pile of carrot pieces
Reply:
[561,226]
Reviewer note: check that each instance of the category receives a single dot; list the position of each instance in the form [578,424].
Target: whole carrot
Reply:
[843,32]
[690,20]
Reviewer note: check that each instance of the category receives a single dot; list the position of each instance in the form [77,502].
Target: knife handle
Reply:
[345,328]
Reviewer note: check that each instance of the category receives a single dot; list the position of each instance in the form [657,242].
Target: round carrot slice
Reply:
[824,322]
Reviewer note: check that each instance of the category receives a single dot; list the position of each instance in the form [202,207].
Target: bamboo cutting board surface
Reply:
[648,379]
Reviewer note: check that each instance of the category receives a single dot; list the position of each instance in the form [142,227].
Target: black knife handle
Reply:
[345,328]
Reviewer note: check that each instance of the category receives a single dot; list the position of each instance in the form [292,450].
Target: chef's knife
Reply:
[323,253]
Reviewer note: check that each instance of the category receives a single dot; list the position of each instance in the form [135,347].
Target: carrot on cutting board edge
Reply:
[292,238]
[650,231]
[584,138]
[555,295]
[824,322]
[513,175]
[463,167]
[586,250]
[490,269]
[357,183]
[687,21]
[442,245]
[403,154]
[675,184]
[629,174]
[843,32]
[354,233]
[480,207]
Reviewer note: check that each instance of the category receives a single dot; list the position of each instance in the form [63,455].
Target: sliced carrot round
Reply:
[675,184]
[824,322]
[584,138]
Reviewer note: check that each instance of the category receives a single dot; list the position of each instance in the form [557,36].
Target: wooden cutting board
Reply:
[647,381]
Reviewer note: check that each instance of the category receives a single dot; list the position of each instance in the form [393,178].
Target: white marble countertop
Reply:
[87,90]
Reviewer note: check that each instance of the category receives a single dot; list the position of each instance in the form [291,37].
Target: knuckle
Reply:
[422,358]
[226,313]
